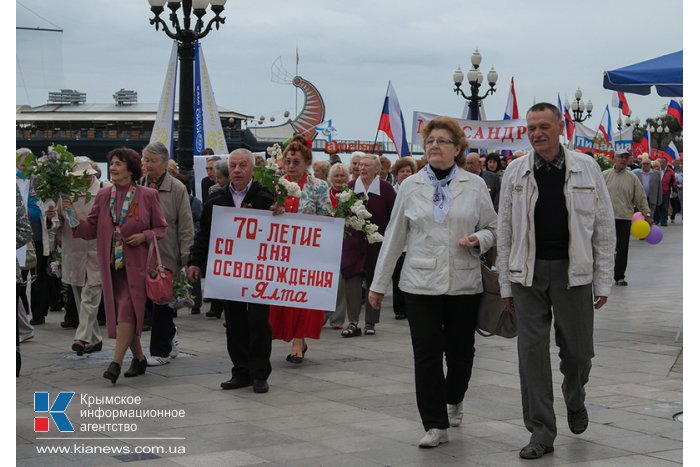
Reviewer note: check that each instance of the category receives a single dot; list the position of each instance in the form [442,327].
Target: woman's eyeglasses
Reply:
[438,141]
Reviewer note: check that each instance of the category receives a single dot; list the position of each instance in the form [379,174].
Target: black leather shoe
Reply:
[535,451]
[578,420]
[67,325]
[195,311]
[236,382]
[79,348]
[37,321]
[90,348]
[112,372]
[137,368]
[260,386]
[213,314]
[400,316]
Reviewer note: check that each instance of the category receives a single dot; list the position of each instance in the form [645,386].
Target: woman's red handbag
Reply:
[159,280]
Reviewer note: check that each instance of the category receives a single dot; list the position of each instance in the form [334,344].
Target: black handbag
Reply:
[493,319]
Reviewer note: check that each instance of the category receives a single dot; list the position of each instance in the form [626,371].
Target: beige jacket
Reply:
[626,193]
[79,264]
[435,263]
[175,246]
[591,224]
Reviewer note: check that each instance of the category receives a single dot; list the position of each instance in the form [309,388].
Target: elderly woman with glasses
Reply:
[444,220]
[288,323]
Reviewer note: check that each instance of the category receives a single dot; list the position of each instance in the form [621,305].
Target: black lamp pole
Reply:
[474,77]
[185,37]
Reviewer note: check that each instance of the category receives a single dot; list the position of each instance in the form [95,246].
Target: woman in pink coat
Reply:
[124,219]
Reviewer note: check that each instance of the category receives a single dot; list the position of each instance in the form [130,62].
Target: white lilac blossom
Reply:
[274,151]
[292,188]
[344,196]
[371,228]
[375,237]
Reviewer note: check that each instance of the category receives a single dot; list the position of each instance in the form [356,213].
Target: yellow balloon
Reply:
[640,229]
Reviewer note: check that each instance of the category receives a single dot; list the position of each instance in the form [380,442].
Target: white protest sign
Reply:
[482,134]
[288,260]
[586,139]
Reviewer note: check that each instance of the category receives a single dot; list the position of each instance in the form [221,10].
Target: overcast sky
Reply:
[351,49]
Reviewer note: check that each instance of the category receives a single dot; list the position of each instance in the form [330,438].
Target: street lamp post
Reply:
[578,107]
[474,77]
[185,36]
[628,122]
[660,130]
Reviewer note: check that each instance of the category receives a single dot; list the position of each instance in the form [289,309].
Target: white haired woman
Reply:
[338,177]
[359,256]
[174,247]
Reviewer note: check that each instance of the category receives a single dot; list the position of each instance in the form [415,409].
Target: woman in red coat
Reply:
[288,323]
[124,219]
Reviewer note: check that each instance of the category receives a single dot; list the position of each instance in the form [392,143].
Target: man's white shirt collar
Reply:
[373,187]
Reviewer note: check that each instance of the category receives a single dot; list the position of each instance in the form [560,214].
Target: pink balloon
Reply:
[637,216]
[655,235]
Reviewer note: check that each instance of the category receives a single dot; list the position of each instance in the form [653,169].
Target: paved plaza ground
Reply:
[352,401]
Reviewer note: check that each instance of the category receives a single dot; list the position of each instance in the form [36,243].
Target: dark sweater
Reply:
[359,257]
[551,216]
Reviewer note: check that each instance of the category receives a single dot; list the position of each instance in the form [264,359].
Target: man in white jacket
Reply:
[556,245]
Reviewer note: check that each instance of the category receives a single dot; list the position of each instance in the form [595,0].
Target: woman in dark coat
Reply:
[359,256]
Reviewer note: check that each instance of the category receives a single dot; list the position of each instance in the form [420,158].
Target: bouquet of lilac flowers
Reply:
[53,180]
[182,292]
[352,208]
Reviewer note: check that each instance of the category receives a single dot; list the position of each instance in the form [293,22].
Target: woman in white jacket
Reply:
[445,219]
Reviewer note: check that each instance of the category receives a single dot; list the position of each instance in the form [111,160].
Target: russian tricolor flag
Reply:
[391,122]
[620,101]
[605,125]
[676,111]
[671,152]
[512,104]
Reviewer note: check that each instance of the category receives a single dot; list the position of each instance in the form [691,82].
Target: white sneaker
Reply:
[157,361]
[174,351]
[433,438]
[455,414]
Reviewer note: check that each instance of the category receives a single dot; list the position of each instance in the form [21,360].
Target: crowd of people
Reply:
[560,228]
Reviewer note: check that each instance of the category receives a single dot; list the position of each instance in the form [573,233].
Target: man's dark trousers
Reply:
[622,245]
[248,339]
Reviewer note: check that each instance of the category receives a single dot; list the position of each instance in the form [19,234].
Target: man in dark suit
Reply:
[472,163]
[248,331]
[651,181]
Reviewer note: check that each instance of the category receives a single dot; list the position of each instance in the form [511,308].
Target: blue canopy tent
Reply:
[665,72]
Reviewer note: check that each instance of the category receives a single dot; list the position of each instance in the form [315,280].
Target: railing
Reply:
[84,134]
